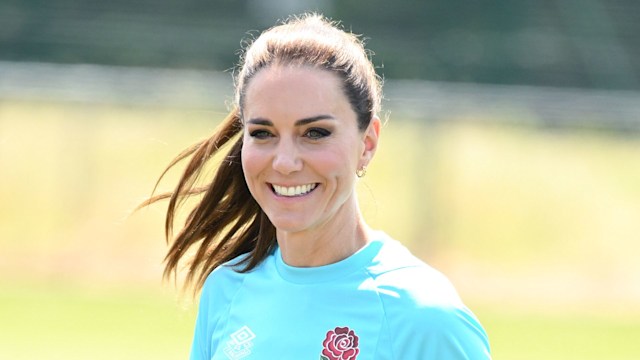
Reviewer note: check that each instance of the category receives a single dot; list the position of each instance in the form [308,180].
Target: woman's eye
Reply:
[317,133]
[260,134]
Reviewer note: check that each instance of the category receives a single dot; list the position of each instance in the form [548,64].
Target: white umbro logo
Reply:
[240,344]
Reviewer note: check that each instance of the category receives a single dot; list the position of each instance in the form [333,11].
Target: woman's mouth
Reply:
[292,191]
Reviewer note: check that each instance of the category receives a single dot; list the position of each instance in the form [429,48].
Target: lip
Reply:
[292,184]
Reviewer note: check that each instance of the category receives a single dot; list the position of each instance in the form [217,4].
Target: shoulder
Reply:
[418,294]
[424,313]
[401,277]
[216,296]
[224,280]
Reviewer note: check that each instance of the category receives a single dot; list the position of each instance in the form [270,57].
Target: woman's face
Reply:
[302,147]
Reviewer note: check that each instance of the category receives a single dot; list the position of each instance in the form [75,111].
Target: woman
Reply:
[287,266]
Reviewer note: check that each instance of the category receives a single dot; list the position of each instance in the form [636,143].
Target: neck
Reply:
[323,245]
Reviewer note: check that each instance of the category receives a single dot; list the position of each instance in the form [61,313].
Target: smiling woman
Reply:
[280,243]
[301,166]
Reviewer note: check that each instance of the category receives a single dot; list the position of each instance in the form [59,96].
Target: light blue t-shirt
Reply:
[380,303]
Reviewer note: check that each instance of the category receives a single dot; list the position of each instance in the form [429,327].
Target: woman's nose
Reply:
[286,159]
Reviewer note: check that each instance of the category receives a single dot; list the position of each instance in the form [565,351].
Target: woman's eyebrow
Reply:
[260,121]
[301,122]
[309,120]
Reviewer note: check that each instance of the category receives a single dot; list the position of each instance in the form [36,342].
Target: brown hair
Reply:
[227,222]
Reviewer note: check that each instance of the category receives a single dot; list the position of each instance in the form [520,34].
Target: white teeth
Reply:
[293,190]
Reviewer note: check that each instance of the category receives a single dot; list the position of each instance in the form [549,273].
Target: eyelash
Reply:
[260,134]
[319,133]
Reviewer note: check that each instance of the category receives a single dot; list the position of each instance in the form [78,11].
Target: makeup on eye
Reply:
[314,133]
[317,133]
[260,134]
[262,127]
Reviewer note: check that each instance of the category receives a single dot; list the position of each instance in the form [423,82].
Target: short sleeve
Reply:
[200,347]
[442,333]
[215,300]
[426,318]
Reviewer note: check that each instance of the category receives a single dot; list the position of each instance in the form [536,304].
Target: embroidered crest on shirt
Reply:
[340,343]
[240,344]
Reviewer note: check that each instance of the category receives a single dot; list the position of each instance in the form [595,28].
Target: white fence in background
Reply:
[419,100]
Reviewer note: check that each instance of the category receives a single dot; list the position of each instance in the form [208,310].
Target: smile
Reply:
[291,191]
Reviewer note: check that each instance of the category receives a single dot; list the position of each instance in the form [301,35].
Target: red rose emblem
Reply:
[341,343]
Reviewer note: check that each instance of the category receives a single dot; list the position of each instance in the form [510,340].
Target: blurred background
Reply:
[510,161]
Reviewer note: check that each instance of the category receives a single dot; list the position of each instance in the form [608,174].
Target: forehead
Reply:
[298,91]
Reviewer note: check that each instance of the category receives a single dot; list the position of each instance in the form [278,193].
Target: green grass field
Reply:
[538,229]
[62,321]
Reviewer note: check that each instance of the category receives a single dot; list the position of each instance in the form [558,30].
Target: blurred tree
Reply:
[590,43]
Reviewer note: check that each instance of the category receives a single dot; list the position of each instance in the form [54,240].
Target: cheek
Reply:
[336,163]
[251,162]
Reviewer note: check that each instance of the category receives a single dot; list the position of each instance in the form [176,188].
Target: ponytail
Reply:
[226,222]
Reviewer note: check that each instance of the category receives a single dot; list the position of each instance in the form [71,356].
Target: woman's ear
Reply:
[370,141]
